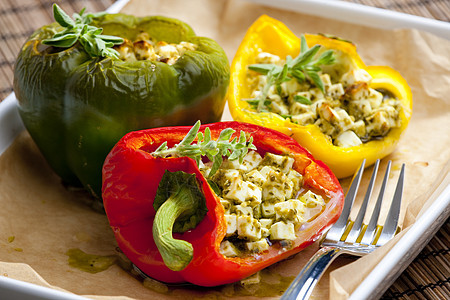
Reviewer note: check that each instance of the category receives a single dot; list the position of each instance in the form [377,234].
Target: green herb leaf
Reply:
[90,37]
[302,99]
[214,150]
[261,68]
[303,44]
[63,41]
[61,17]
[305,66]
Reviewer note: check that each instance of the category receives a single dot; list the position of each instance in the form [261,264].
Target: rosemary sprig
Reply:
[305,66]
[78,29]
[237,148]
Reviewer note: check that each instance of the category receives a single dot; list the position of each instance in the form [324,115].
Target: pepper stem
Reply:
[177,254]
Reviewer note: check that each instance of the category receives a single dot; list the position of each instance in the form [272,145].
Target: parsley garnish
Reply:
[305,66]
[205,146]
[90,37]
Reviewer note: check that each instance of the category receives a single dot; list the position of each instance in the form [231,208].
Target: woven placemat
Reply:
[18,20]
[428,276]
[433,9]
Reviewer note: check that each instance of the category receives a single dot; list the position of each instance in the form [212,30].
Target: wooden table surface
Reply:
[427,277]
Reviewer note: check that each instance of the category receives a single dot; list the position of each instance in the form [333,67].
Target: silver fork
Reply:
[358,241]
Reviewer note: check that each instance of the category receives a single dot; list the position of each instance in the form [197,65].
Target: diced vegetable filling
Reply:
[348,112]
[144,48]
[264,202]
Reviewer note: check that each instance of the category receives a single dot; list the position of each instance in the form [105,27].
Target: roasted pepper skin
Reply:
[130,180]
[272,36]
[77,107]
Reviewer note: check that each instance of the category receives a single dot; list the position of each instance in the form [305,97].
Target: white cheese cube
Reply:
[257,211]
[305,118]
[265,232]
[345,121]
[290,211]
[336,90]
[347,139]
[248,228]
[316,94]
[282,231]
[243,191]
[273,190]
[290,87]
[267,209]
[378,123]
[225,177]
[297,181]
[356,76]
[243,210]
[126,51]
[326,127]
[326,80]
[168,53]
[277,105]
[250,161]
[185,46]
[297,108]
[231,224]
[266,223]
[255,177]
[360,108]
[276,187]
[144,51]
[327,113]
[359,127]
[311,199]
[228,249]
[281,162]
[313,204]
[267,58]
[375,98]
[265,171]
[363,92]
[257,246]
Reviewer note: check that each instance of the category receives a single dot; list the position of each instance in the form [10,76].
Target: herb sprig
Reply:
[237,148]
[78,29]
[306,65]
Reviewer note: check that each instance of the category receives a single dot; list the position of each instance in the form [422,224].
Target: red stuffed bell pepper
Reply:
[214,238]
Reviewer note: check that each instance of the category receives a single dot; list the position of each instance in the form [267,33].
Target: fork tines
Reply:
[359,233]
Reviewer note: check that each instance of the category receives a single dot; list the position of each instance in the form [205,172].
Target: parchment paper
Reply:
[41,220]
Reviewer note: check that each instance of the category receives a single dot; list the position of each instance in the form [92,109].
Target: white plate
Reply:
[399,257]
[361,15]
[387,270]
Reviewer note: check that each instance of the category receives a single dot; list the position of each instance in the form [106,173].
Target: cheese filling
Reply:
[349,113]
[264,202]
[144,48]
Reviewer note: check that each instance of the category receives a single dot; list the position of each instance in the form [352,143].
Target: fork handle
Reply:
[304,283]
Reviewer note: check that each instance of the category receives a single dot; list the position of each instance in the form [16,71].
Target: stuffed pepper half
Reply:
[216,203]
[83,83]
[317,90]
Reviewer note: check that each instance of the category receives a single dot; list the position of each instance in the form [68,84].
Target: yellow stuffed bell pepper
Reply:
[328,136]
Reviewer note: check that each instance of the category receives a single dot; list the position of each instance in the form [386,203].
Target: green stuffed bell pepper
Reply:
[83,83]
